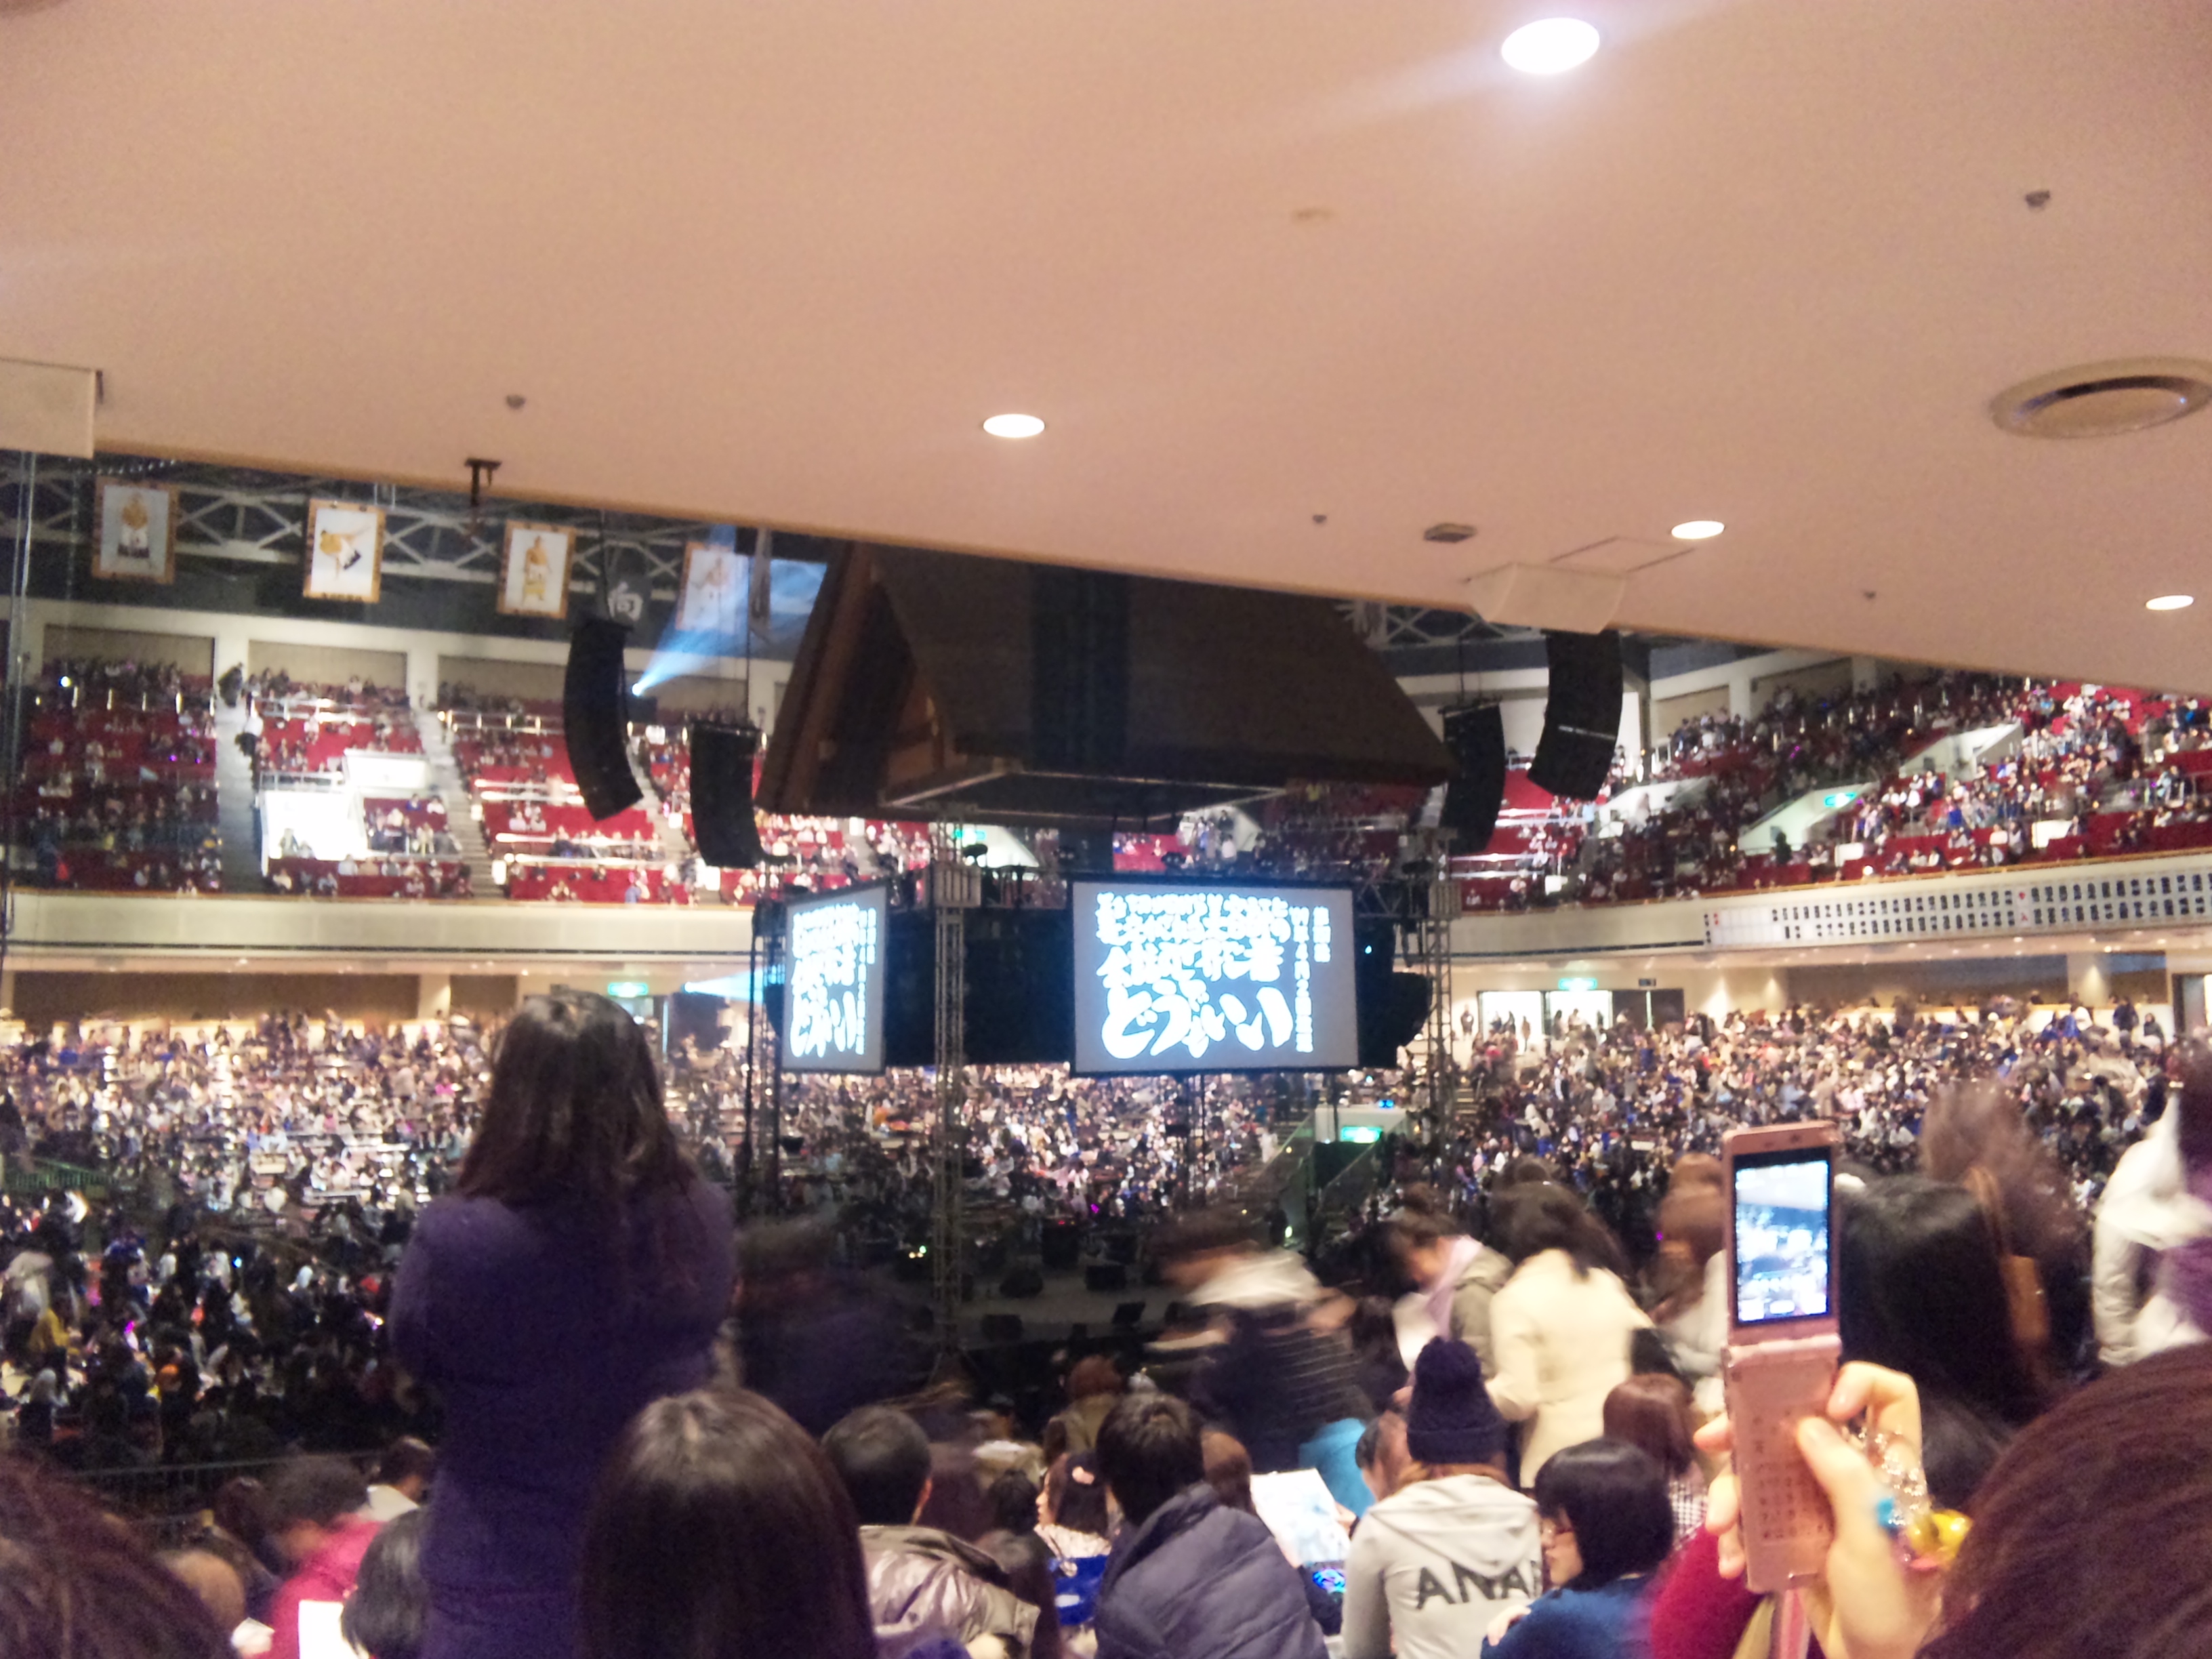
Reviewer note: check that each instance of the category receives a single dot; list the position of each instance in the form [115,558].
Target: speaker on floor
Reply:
[722,794]
[1060,1245]
[1582,714]
[592,718]
[1105,1276]
[1476,738]
[1002,1328]
[1023,1279]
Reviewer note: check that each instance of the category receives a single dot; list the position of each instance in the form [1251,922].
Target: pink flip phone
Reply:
[1782,1350]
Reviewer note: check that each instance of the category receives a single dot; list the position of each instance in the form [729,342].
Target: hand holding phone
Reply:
[1782,1350]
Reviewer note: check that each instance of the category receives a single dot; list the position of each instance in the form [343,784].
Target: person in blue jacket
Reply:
[1190,1578]
[1605,1526]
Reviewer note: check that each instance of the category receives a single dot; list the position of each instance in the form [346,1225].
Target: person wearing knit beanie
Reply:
[1451,1421]
[1436,1561]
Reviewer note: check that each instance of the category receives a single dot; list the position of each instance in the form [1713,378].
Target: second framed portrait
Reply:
[345,551]
[533,573]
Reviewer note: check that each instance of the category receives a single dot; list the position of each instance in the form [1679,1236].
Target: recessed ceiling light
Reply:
[1014,426]
[1550,47]
[2169,602]
[1698,530]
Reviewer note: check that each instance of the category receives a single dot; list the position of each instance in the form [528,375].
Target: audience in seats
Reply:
[601,1485]
[117,788]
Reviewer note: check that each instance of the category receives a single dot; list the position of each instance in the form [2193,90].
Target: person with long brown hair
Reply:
[578,1272]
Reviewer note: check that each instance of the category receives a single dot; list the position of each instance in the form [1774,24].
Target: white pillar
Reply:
[434,996]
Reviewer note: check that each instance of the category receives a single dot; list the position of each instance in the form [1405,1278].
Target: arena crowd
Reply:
[600,1421]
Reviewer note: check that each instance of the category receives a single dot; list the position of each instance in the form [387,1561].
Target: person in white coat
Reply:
[1561,1327]
[2152,1268]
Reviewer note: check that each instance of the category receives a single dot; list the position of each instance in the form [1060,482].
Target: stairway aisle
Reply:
[233,804]
[446,779]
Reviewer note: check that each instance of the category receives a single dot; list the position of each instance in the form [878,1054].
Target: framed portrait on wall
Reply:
[712,597]
[345,551]
[534,574]
[138,532]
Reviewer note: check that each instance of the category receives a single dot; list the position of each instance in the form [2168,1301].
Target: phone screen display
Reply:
[1784,1201]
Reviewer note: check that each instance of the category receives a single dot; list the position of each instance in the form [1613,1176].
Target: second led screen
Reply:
[834,990]
[1212,977]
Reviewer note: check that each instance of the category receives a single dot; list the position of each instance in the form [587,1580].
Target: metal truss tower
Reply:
[954,888]
[1438,903]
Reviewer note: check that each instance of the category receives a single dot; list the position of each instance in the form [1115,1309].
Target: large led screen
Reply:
[1208,976]
[833,982]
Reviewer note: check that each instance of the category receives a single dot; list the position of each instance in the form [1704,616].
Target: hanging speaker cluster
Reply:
[593,711]
[1582,714]
[722,794]
[1476,738]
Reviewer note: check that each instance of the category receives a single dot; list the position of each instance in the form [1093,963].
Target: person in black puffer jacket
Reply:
[1190,1578]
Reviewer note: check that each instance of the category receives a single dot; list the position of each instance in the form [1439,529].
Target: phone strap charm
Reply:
[1928,1538]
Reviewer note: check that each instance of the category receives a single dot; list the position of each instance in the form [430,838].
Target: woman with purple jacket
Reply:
[577,1272]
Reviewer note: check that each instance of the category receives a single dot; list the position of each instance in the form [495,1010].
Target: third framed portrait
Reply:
[533,573]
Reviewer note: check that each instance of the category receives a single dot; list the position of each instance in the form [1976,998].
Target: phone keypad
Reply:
[1781,1499]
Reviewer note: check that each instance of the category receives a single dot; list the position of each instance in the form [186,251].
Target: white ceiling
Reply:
[1255,260]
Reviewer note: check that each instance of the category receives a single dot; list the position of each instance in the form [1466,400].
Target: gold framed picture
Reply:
[138,532]
[712,599]
[345,551]
[533,574]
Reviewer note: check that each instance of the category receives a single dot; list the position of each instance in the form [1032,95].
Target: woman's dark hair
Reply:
[1614,1497]
[573,1113]
[1149,1450]
[1919,1290]
[720,1531]
[1545,1216]
[1076,1494]
[1228,1469]
[1652,1411]
[2089,1534]
[1012,1498]
[882,1456]
[75,1582]
[1979,1126]
[385,1615]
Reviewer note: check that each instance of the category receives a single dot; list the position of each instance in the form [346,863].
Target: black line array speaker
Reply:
[1476,738]
[1582,714]
[722,795]
[592,707]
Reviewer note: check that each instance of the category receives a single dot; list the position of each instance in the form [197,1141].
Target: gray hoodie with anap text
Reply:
[1434,1564]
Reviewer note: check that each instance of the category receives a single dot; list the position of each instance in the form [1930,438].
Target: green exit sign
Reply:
[1360,1134]
[1839,798]
[1577,982]
[623,990]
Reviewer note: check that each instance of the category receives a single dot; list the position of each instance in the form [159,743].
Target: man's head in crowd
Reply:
[883,1457]
[308,1498]
[407,1467]
[1149,1450]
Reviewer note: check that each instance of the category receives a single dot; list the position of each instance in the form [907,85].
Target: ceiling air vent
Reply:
[2101,400]
[1448,532]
